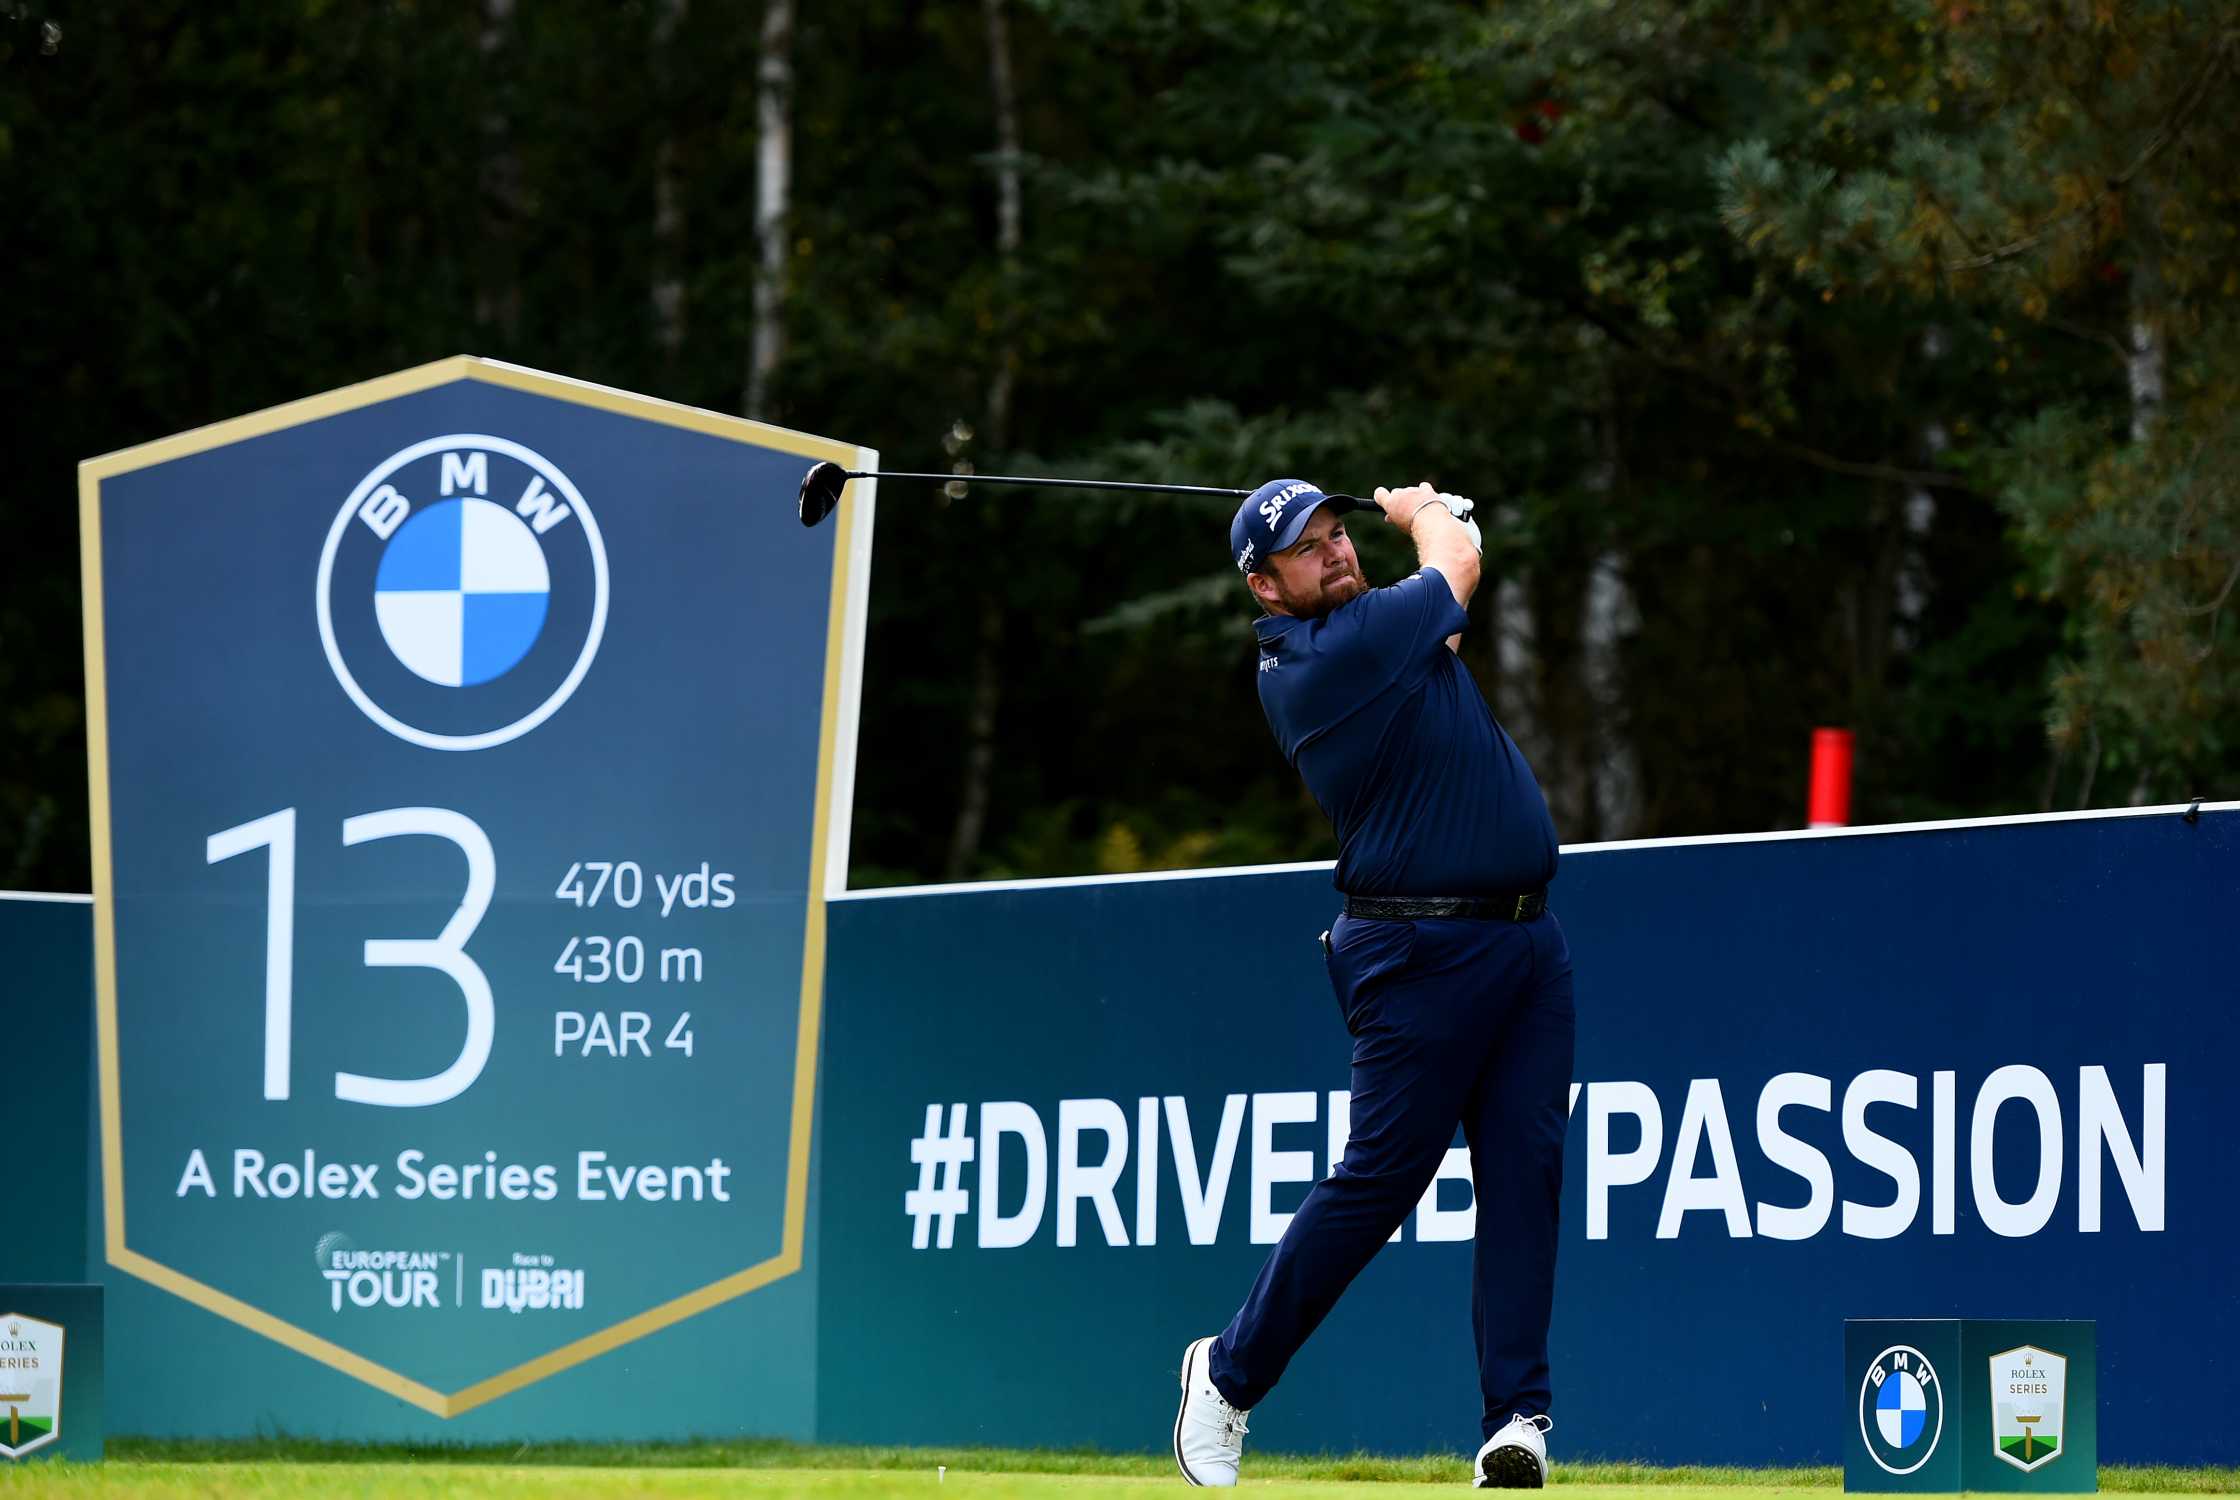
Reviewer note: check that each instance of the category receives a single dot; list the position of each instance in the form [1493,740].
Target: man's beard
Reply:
[1327,597]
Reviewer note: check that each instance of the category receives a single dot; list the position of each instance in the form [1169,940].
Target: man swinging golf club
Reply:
[1453,978]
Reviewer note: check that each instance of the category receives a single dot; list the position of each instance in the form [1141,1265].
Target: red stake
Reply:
[1829,804]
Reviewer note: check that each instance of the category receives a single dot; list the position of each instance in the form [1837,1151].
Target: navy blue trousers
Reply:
[1454,1022]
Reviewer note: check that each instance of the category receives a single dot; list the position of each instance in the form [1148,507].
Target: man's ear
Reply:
[1263,589]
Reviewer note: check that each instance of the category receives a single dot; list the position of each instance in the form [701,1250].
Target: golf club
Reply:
[821,486]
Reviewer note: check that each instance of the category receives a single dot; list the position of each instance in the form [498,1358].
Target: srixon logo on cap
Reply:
[1272,508]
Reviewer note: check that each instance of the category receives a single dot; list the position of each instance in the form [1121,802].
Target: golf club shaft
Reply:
[1070,484]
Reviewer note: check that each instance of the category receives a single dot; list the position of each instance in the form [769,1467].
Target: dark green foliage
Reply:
[2059,175]
[1672,288]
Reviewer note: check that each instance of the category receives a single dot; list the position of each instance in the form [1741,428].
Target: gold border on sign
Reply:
[788,1260]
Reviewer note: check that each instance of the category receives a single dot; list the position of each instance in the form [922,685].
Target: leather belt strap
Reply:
[1521,907]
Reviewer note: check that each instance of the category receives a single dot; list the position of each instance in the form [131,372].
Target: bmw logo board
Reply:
[464,621]
[463,751]
[1901,1409]
[1946,1404]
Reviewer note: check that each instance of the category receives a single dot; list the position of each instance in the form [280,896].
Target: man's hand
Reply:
[1400,506]
[1442,541]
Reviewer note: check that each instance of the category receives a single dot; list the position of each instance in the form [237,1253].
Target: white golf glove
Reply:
[1461,507]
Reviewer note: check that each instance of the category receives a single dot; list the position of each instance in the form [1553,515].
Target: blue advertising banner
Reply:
[464,750]
[1952,1071]
[46,1004]
[478,1019]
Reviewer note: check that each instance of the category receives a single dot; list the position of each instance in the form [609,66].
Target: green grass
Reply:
[764,1469]
[775,1453]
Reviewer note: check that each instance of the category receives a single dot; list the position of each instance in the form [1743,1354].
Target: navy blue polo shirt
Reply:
[1428,794]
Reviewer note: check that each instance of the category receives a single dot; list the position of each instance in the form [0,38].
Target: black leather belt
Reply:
[1521,907]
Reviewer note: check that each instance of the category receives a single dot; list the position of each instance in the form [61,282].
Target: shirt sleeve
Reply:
[1399,627]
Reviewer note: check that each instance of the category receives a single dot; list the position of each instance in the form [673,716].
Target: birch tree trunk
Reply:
[1610,616]
[2144,372]
[773,189]
[1007,223]
[1559,671]
[1612,793]
[987,664]
[497,299]
[2144,369]
[1516,697]
[1920,514]
[668,198]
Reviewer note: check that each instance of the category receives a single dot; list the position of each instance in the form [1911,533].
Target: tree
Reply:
[1741,426]
[773,191]
[2059,174]
[1492,243]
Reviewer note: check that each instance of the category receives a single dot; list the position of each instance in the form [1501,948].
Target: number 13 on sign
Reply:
[445,952]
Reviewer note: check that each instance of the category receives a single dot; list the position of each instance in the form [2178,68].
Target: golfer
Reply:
[1453,978]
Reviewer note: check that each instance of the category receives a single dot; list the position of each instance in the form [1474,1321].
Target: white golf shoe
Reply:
[1516,1457]
[1208,1431]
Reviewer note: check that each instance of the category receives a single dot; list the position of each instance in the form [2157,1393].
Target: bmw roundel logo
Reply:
[1901,1409]
[462,592]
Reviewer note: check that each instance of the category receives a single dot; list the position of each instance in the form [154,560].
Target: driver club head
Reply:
[820,491]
